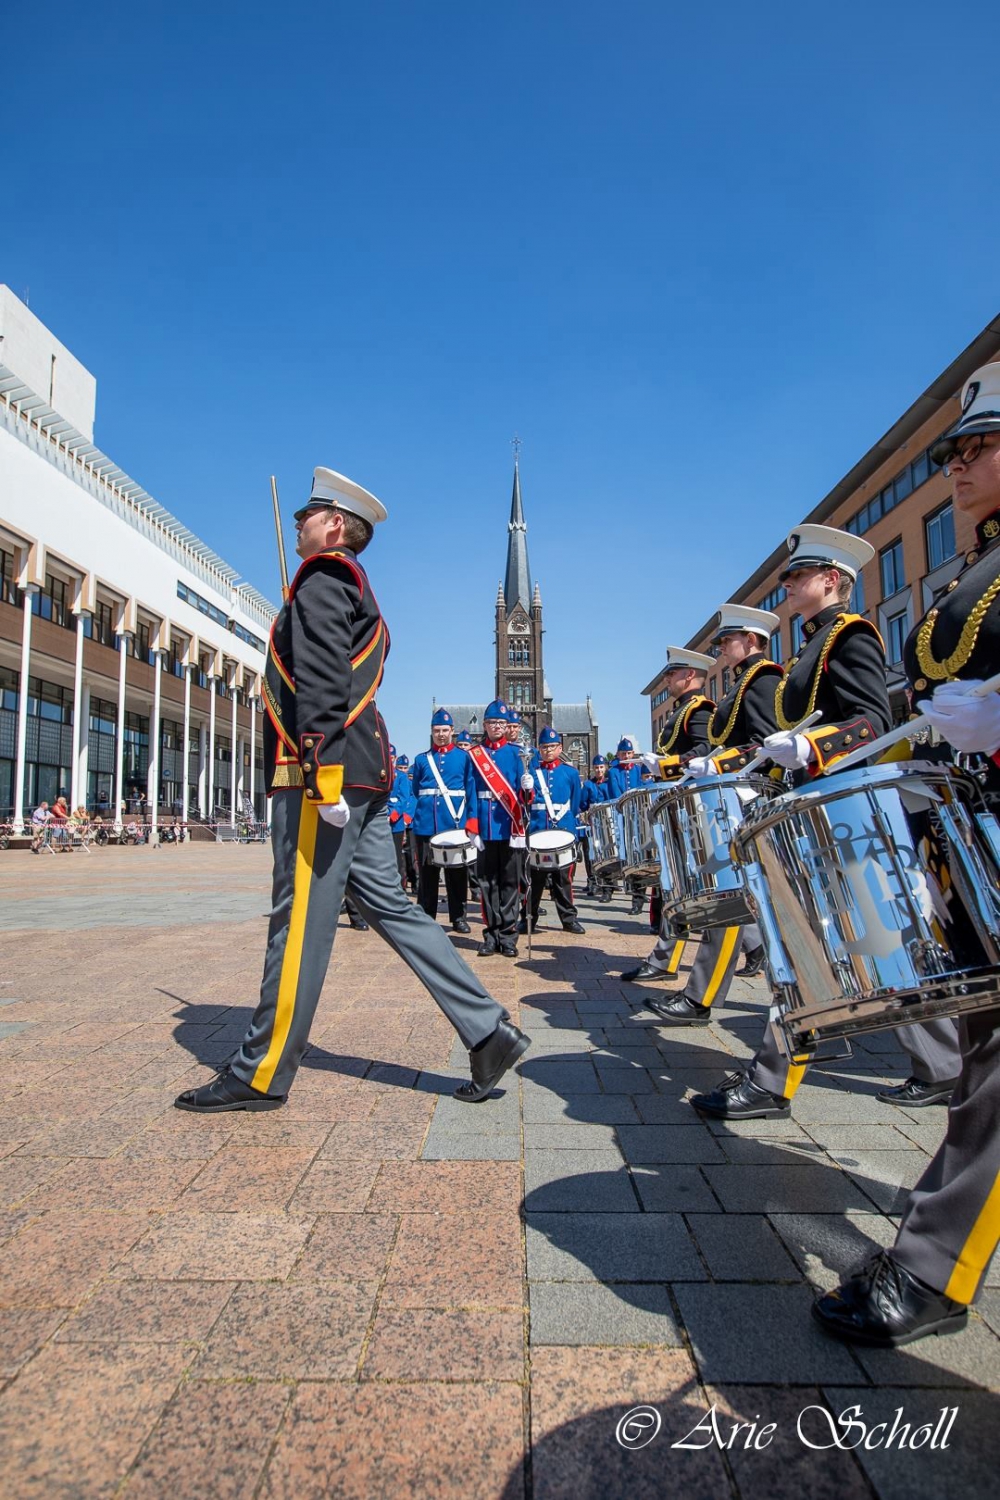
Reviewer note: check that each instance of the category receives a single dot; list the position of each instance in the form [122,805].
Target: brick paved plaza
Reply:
[375,1291]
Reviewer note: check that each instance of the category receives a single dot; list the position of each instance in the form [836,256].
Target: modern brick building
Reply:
[899,502]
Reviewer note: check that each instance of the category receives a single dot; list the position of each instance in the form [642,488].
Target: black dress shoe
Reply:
[739,1098]
[487,947]
[461,926]
[226,1092]
[542,911]
[645,971]
[359,924]
[508,950]
[574,926]
[490,1061]
[522,925]
[915,1093]
[680,1011]
[637,906]
[884,1304]
[753,963]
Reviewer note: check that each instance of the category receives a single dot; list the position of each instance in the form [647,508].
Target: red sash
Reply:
[500,787]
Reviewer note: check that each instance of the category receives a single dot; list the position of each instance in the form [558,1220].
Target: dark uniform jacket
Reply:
[326,655]
[686,731]
[841,672]
[746,713]
[960,635]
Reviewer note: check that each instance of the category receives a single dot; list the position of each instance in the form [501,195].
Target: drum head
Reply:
[449,839]
[552,838]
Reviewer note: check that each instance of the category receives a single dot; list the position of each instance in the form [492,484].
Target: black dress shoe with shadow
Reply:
[488,946]
[490,1061]
[886,1305]
[753,963]
[461,926]
[508,950]
[359,924]
[645,971]
[574,926]
[739,1098]
[226,1092]
[680,1011]
[915,1093]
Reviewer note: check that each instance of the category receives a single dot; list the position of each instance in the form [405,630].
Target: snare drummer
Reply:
[501,788]
[951,1222]
[595,789]
[444,799]
[735,728]
[556,805]
[841,672]
[624,775]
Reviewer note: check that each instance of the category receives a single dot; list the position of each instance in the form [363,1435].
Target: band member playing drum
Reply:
[840,672]
[555,806]
[595,789]
[444,799]
[685,733]
[738,725]
[501,783]
[951,1223]
[624,775]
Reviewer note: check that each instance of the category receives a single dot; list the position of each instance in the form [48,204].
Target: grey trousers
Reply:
[313,864]
[715,962]
[933,1047]
[951,1222]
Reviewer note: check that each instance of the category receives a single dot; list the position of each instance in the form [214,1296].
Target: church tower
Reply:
[520,675]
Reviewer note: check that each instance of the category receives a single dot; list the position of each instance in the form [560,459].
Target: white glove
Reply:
[651,762]
[967,723]
[527,782]
[477,843]
[337,814]
[788,749]
[700,765]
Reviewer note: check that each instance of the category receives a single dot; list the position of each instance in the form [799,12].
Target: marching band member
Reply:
[841,672]
[595,789]
[500,780]
[444,798]
[556,804]
[463,740]
[735,729]
[400,811]
[327,771]
[951,1222]
[684,733]
[624,775]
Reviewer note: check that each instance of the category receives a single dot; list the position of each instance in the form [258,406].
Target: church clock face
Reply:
[518,627]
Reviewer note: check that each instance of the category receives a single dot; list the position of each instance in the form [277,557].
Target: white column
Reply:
[187,736]
[211,749]
[74,794]
[22,712]
[155,748]
[253,753]
[84,768]
[202,771]
[235,766]
[123,645]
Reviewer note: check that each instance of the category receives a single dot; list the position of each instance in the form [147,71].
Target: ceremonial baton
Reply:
[903,731]
[283,566]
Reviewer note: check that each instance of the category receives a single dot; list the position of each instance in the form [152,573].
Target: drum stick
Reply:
[903,731]
[762,755]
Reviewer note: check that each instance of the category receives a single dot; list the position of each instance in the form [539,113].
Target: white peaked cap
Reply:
[980,411]
[741,617]
[331,488]
[679,656]
[824,547]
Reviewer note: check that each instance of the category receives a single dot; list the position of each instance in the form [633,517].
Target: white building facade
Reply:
[131,655]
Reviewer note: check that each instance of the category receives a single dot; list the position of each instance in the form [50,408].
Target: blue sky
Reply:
[698,258]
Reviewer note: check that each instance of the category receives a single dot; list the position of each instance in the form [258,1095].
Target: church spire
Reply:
[517,582]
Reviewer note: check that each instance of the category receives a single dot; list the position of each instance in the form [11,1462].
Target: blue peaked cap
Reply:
[403,761]
[549,737]
[626,745]
[441,717]
[496,710]
[598,760]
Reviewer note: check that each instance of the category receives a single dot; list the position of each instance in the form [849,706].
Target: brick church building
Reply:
[519,675]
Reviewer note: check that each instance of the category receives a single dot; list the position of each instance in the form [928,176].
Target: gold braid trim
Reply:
[665,746]
[748,677]
[838,625]
[953,664]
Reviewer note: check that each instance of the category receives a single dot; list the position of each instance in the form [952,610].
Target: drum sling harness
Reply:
[555,810]
[445,792]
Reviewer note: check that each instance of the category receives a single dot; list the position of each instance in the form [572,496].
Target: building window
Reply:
[891,565]
[856,604]
[939,530]
[905,482]
[774,646]
[9,591]
[103,626]
[50,602]
[774,598]
[798,635]
[896,633]
[48,701]
[9,695]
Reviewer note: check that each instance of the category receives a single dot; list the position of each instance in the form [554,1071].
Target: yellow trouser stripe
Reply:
[675,957]
[796,1073]
[291,962]
[730,938]
[976,1251]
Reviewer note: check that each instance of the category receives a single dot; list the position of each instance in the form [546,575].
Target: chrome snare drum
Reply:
[641,860]
[693,827]
[607,844]
[551,849]
[877,896]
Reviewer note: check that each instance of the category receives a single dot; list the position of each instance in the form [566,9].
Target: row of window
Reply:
[894,493]
[218,615]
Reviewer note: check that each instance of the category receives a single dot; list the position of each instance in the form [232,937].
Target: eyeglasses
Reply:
[966,452]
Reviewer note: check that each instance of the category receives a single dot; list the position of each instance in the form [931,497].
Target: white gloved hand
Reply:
[968,724]
[337,814]
[788,749]
[700,765]
[651,762]
[527,782]
[477,843]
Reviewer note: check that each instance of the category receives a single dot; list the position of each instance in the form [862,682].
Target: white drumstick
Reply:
[761,755]
[903,731]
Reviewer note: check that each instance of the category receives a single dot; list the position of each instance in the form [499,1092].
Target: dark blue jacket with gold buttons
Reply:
[841,672]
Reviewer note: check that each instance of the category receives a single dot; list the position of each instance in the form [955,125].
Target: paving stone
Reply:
[305,1331]
[891,1135]
[988,1308]
[22,1332]
[760,1334]
[213,1441]
[577,1181]
[884,1176]
[592,1314]
[541,1105]
[968,1466]
[660,1109]
[742,1248]
[446,1187]
[446,1344]
[611,1247]
[218,1247]
[818,1189]
[828,1247]
[771,1151]
[456,1260]
[131,1312]
[55,1259]
[667,1189]
[968,1358]
[561,1075]
[442,1146]
[571,1135]
[674,1144]
[783,1467]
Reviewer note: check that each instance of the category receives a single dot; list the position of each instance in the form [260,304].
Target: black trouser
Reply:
[562,892]
[352,911]
[397,843]
[456,883]
[497,867]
